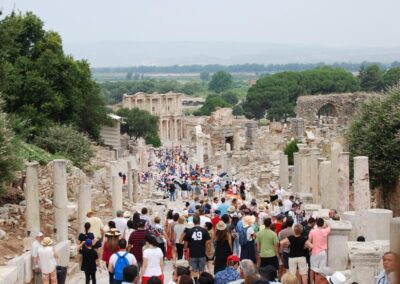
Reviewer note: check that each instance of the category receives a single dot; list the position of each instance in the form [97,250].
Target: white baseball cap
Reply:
[337,278]
[39,234]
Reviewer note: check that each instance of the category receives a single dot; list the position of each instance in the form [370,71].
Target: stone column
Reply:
[336,149]
[200,151]
[362,194]
[84,203]
[314,183]
[116,195]
[297,172]
[343,194]
[283,170]
[32,212]
[175,130]
[236,139]
[227,147]
[324,186]
[364,259]
[136,187]
[60,199]
[305,173]
[337,244]
[129,176]
[394,234]
[351,217]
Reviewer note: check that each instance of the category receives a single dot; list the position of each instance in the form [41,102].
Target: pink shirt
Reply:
[319,239]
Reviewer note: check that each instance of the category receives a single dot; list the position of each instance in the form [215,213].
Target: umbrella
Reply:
[223,174]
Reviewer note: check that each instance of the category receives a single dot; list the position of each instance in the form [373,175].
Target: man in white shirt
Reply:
[121,253]
[36,244]
[120,222]
[215,204]
[287,204]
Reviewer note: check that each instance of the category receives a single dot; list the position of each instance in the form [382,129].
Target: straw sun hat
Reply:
[47,242]
[221,226]
[248,220]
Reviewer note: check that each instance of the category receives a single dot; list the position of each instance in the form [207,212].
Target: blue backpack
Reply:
[120,264]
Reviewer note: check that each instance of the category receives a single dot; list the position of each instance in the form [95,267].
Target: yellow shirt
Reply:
[95,226]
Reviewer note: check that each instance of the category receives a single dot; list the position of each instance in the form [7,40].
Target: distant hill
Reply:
[121,53]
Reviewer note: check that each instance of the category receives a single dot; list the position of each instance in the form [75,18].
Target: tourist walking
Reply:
[47,259]
[268,246]
[36,244]
[96,227]
[153,260]
[177,233]
[86,234]
[110,247]
[223,246]
[90,261]
[137,241]
[247,238]
[120,260]
[230,273]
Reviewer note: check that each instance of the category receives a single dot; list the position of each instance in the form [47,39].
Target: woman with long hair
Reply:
[109,248]
[223,246]
[153,260]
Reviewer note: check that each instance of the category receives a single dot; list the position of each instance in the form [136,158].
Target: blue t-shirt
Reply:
[223,207]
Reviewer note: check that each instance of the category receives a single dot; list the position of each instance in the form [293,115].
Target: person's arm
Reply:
[144,267]
[208,247]
[110,266]
[285,241]
[230,242]
[162,263]
[276,247]
[182,238]
[55,253]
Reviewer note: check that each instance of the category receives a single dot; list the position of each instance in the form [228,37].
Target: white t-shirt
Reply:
[287,205]
[214,206]
[154,256]
[204,220]
[178,230]
[120,225]
[95,226]
[47,261]
[35,247]
[131,258]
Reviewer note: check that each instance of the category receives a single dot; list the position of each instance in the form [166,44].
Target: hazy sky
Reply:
[333,23]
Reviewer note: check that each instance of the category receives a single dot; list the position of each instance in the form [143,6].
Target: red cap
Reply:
[233,258]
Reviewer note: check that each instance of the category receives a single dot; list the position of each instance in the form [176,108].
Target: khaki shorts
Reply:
[298,263]
[318,261]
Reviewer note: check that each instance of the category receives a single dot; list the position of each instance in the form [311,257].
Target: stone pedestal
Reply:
[332,202]
[314,182]
[32,212]
[351,217]
[337,240]
[305,173]
[310,208]
[84,203]
[324,184]
[378,224]
[395,234]
[364,259]
[60,199]
[116,195]
[362,194]
[283,171]
[129,177]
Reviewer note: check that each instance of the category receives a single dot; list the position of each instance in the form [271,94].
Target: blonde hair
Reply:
[289,278]
[181,220]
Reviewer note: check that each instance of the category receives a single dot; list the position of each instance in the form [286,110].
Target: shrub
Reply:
[291,148]
[66,141]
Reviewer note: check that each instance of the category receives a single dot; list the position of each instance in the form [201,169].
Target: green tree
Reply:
[391,77]
[204,76]
[237,110]
[210,105]
[190,88]
[42,85]
[290,149]
[139,123]
[230,97]
[371,78]
[375,132]
[8,158]
[220,81]
[66,141]
[129,75]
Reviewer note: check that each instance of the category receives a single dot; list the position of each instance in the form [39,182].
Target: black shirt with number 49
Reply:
[197,238]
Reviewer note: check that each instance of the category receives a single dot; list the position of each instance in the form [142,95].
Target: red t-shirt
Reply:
[137,240]
[107,253]
[215,220]
[278,227]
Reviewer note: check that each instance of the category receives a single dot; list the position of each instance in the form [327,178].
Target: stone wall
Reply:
[343,105]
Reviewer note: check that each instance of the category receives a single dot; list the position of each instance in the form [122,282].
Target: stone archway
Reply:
[328,109]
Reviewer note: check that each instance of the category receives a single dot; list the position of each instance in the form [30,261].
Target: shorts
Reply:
[300,263]
[318,260]
[197,263]
[285,258]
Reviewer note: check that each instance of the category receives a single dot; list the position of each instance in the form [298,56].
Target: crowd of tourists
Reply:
[219,235]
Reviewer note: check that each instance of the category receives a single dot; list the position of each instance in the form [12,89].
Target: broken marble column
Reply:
[364,259]
[337,244]
[84,203]
[378,224]
[32,212]
[129,177]
[317,193]
[297,172]
[135,183]
[343,194]
[336,149]
[60,199]
[283,171]
[314,182]
[324,185]
[394,234]
[116,194]
[305,173]
[362,194]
